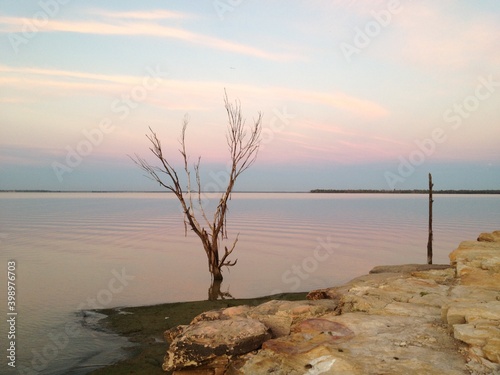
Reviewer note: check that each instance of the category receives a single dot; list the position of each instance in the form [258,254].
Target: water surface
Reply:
[80,251]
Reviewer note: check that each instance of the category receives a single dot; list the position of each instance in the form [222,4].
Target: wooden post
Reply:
[429,241]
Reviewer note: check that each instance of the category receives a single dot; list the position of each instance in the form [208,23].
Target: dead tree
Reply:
[243,149]
[429,240]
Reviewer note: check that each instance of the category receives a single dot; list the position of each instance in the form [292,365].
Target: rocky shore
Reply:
[411,319]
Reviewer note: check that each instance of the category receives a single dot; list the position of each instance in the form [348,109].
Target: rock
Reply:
[280,315]
[478,264]
[408,268]
[358,344]
[204,341]
[170,334]
[474,335]
[492,350]
[470,312]
[441,276]
[489,237]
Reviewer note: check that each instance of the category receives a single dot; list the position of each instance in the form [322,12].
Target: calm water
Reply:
[79,251]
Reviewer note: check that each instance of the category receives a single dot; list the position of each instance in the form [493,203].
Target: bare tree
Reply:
[243,149]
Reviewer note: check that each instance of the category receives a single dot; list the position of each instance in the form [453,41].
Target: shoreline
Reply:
[144,327]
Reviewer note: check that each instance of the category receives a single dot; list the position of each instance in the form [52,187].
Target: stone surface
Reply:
[361,344]
[408,268]
[478,263]
[410,319]
[490,237]
[204,341]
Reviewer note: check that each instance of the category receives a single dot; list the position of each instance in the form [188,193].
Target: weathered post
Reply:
[429,241]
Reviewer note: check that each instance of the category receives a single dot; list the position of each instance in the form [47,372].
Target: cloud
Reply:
[134,24]
[156,14]
[74,83]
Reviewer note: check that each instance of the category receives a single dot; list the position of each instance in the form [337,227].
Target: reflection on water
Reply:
[80,251]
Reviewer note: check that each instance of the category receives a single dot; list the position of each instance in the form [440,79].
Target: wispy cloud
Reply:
[134,23]
[57,73]
[157,14]
[71,82]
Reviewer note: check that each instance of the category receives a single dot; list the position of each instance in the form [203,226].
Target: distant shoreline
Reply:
[315,191]
[415,191]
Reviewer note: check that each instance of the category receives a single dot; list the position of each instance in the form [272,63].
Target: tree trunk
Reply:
[216,273]
[429,240]
[213,261]
[214,292]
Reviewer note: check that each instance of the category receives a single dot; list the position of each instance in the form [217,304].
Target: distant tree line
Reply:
[414,191]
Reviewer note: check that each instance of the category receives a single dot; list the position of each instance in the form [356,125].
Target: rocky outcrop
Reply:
[213,337]
[411,319]
[204,341]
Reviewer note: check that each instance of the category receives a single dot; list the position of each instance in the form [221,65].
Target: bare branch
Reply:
[227,253]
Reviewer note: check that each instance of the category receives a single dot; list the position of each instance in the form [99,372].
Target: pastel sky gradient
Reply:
[355,93]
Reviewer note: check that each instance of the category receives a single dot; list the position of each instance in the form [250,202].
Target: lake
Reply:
[80,251]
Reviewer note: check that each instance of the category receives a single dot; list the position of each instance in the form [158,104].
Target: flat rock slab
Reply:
[360,344]
[408,268]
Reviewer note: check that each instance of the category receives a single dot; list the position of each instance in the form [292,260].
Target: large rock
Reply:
[204,341]
[490,237]
[478,264]
[213,337]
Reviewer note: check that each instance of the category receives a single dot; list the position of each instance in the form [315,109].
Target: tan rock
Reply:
[472,335]
[469,312]
[409,268]
[280,315]
[490,237]
[464,293]
[440,276]
[478,263]
[319,360]
[492,350]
